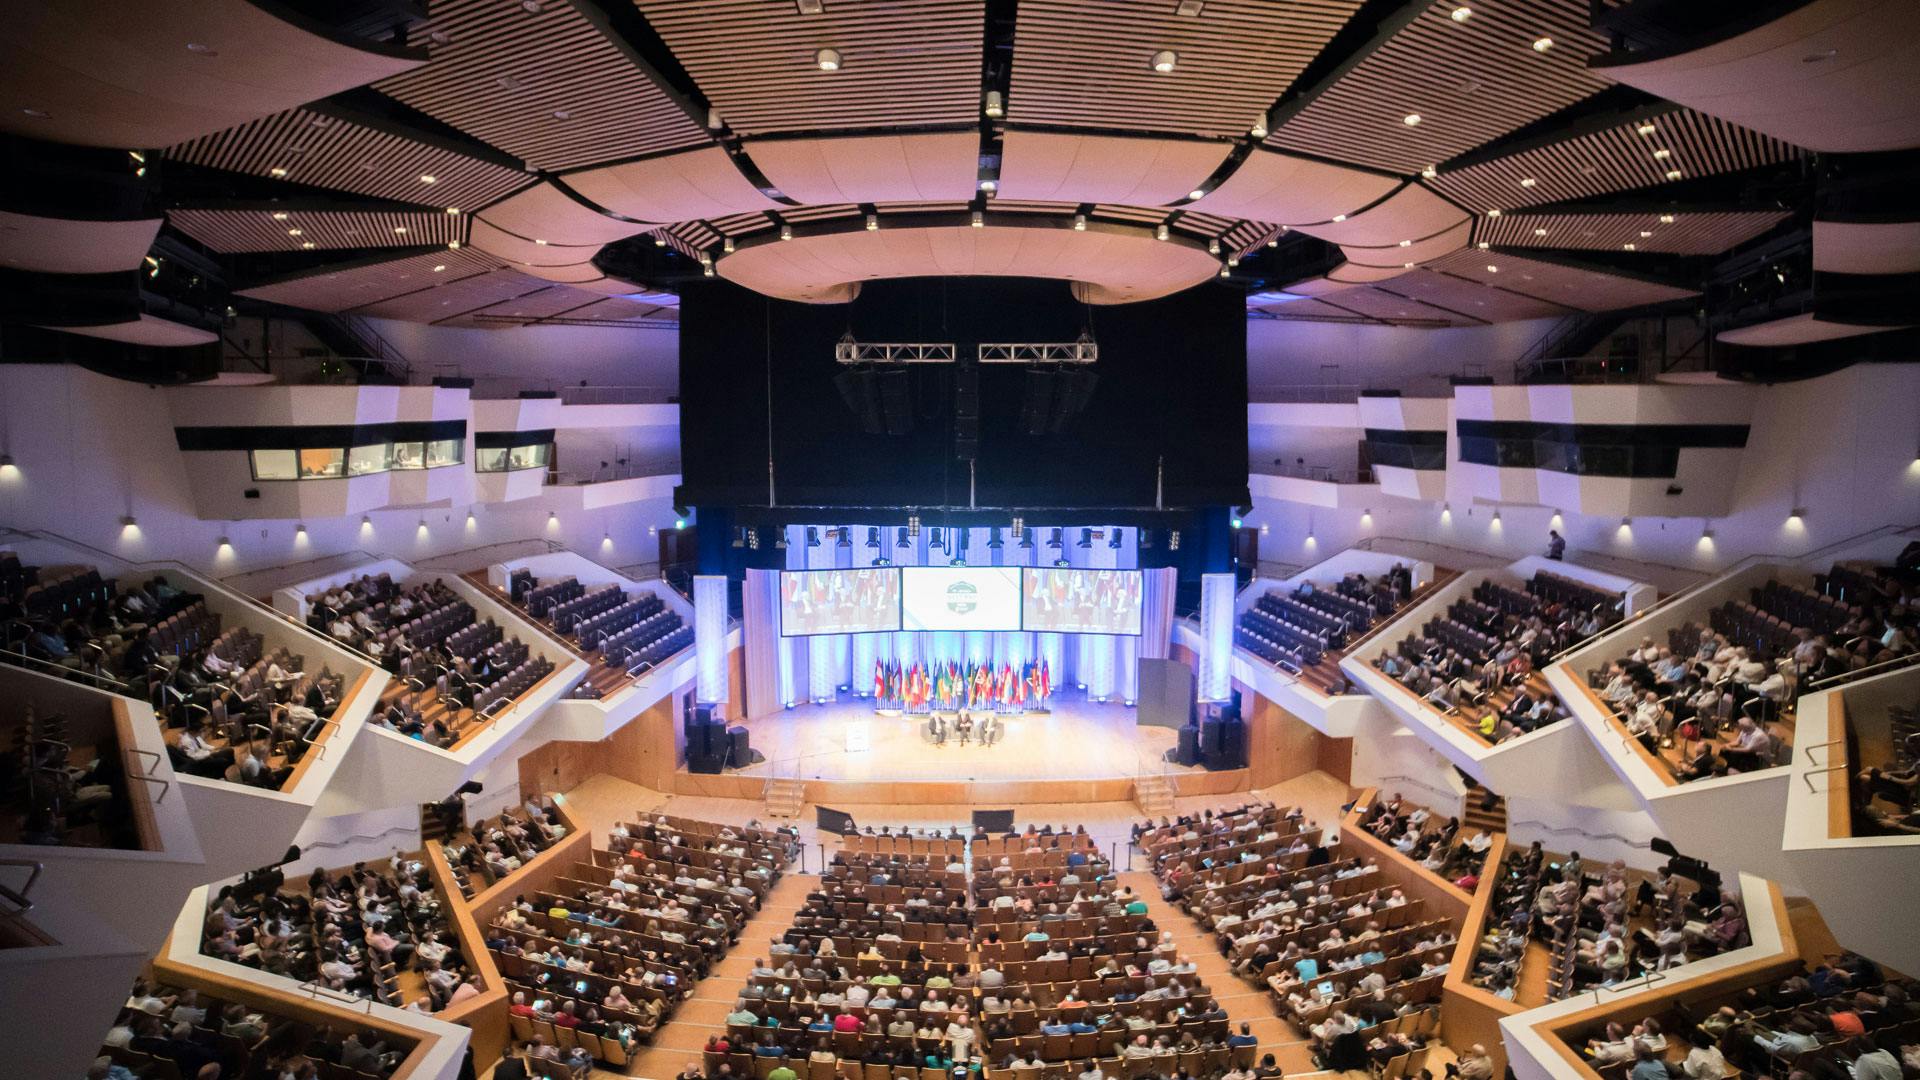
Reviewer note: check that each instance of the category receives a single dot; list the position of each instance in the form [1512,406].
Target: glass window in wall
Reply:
[322,464]
[490,459]
[276,465]
[531,457]
[409,455]
[445,452]
[371,458]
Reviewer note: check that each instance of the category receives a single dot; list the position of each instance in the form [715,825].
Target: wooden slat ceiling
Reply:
[350,285]
[1623,157]
[228,230]
[542,83]
[1684,233]
[1087,63]
[1469,82]
[310,146]
[911,62]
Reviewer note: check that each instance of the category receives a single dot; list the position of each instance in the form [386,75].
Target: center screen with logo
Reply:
[960,598]
[1072,601]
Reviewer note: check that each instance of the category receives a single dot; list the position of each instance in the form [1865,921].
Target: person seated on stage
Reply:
[937,727]
[963,726]
[990,730]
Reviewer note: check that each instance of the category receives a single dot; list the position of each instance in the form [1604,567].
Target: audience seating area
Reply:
[379,931]
[1305,632]
[600,953]
[1883,790]
[1596,926]
[454,670]
[625,634]
[1479,662]
[55,791]
[492,848]
[1345,955]
[168,1033]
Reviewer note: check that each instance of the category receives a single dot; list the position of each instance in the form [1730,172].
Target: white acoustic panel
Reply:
[710,637]
[1216,628]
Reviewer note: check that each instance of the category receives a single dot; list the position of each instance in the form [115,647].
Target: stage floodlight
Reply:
[739,537]
[873,536]
[1113,540]
[993,538]
[1058,540]
[846,537]
[813,537]
[1146,539]
[1173,540]
[1086,538]
[1026,539]
[938,541]
[904,541]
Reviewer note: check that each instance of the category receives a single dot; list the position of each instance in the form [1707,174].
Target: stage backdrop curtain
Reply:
[760,637]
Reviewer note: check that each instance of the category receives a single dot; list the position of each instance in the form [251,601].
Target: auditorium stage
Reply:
[1081,751]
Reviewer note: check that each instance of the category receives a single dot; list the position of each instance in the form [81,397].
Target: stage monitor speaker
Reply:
[994,821]
[1166,693]
[838,822]
[742,754]
[1188,752]
[1213,738]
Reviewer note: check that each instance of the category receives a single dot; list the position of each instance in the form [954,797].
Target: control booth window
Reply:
[276,464]
[530,457]
[409,455]
[322,464]
[331,452]
[363,460]
[445,452]
[515,456]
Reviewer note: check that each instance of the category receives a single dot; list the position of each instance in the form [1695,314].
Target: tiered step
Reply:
[1153,794]
[784,798]
[1485,810]
[441,821]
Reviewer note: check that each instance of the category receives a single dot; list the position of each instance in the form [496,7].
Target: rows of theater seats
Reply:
[1436,845]
[1598,926]
[1480,660]
[75,618]
[380,931]
[169,1033]
[56,791]
[1301,631]
[1344,953]
[454,669]
[597,954]
[627,634]
[495,847]
[1819,1022]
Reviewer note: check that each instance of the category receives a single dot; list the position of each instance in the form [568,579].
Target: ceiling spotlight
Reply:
[1542,44]
[307,245]
[1079,223]
[401,229]
[1484,245]
[453,209]
[1666,219]
[1430,172]
[1337,218]
[1493,213]
[562,114]
[1492,269]
[279,215]
[996,107]
[1408,266]
[978,220]
[1412,119]
[726,245]
[989,186]
[1646,128]
[1674,174]
[828,59]
[1273,241]
[873,222]
[439,267]
[531,7]
[1406,243]
[1629,247]
[1539,232]
[706,269]
[453,245]
[1161,232]
[1213,246]
[429,179]
[294,232]
[1644,234]
[1196,193]
[277,171]
[1662,154]
[1224,272]
[1259,128]
[1461,14]
[786,232]
[540,242]
[1528,181]
[1164,60]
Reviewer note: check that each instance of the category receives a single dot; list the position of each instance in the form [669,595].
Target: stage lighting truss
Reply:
[849,351]
[1082,350]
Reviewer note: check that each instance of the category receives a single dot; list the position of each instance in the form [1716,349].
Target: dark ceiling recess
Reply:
[1662,27]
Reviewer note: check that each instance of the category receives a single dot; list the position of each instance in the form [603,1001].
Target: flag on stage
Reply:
[1046,681]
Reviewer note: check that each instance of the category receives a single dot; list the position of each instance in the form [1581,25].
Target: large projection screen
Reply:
[863,601]
[1067,600]
[960,597]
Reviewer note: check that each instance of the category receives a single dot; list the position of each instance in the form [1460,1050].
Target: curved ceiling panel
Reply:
[578,274]
[150,74]
[1353,273]
[527,251]
[1833,75]
[272,228]
[1860,248]
[545,212]
[146,330]
[1290,190]
[677,187]
[65,246]
[1104,168]
[1584,287]
[1120,265]
[1795,330]
[1412,213]
[1419,251]
[342,286]
[872,168]
[1679,233]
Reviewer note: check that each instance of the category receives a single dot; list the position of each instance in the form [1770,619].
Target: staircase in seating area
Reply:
[1484,810]
[784,797]
[442,821]
[1153,794]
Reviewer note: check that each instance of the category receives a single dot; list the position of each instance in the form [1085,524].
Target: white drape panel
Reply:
[760,636]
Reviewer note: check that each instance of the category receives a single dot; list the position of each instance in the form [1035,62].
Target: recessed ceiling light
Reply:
[989,186]
[562,114]
[1429,172]
[293,232]
[1666,219]
[1409,266]
[1674,174]
[307,244]
[428,178]
[453,245]
[400,229]
[786,232]
[659,239]
[1528,181]
[453,209]
[1644,234]
[978,220]
[279,215]
[1461,13]
[1539,232]
[1646,128]
[1628,247]
[1406,243]
[203,50]
[1412,119]
[1339,217]
[1662,154]
[508,82]
[1493,213]
[439,267]
[1164,60]
[277,171]
[828,59]
[1196,193]
[542,243]
[1484,245]
[531,7]
[1542,44]
[1160,233]
[1492,269]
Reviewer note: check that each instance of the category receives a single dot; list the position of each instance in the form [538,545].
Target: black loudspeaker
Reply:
[1070,396]
[838,822]
[966,411]
[737,742]
[1036,407]
[1188,752]
[1213,736]
[896,401]
[994,821]
[857,390]
[1233,750]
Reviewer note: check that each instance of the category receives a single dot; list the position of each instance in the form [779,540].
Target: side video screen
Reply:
[1071,601]
[864,601]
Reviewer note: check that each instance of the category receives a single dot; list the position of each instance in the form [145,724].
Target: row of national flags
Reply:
[953,685]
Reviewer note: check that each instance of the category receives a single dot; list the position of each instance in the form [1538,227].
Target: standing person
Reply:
[1556,545]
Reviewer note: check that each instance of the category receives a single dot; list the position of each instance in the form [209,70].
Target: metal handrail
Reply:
[1643,983]
[165,786]
[113,685]
[21,898]
[1810,748]
[316,991]
[1825,770]
[1863,673]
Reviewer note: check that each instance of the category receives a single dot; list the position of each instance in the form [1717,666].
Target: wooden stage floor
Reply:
[1077,740]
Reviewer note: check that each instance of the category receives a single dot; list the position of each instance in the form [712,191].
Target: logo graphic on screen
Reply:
[962,597]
